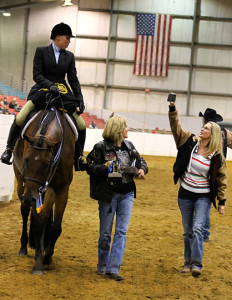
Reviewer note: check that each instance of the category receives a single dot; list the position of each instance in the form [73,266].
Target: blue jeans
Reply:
[109,260]
[206,232]
[194,213]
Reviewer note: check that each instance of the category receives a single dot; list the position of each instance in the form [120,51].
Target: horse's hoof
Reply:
[22,252]
[37,272]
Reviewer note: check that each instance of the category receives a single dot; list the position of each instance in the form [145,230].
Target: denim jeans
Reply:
[109,260]
[206,232]
[194,213]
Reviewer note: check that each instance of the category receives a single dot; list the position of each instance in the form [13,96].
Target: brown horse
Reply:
[43,165]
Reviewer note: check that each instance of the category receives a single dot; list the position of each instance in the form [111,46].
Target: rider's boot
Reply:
[12,138]
[79,163]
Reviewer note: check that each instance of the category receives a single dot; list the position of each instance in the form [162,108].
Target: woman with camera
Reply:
[113,163]
[201,170]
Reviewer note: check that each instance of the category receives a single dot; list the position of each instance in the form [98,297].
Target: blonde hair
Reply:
[113,129]
[216,142]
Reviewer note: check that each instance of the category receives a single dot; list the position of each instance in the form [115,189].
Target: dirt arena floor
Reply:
[153,256]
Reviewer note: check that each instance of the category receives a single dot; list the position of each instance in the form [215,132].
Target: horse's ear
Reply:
[29,139]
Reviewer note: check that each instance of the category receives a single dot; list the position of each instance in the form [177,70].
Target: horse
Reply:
[43,166]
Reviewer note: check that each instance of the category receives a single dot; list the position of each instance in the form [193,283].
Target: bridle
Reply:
[42,183]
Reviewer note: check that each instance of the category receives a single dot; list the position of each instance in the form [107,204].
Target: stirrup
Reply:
[81,165]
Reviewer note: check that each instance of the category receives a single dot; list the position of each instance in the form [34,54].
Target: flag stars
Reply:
[146,24]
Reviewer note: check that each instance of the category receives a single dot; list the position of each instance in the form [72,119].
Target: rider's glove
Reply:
[81,107]
[54,89]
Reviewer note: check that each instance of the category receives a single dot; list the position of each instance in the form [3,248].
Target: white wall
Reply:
[6,172]
[145,143]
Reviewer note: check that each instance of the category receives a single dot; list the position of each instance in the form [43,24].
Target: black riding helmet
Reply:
[61,29]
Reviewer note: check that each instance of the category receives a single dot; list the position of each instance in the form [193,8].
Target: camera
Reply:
[171,97]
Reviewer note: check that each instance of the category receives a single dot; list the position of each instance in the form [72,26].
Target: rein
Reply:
[55,160]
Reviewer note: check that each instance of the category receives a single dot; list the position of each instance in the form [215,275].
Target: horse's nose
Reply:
[27,201]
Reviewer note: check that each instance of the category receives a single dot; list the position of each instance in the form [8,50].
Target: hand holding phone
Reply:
[171,97]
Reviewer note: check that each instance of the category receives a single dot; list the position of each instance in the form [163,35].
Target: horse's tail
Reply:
[47,231]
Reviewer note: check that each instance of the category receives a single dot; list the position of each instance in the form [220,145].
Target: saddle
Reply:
[34,113]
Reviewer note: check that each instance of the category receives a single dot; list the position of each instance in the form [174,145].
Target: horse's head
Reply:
[37,166]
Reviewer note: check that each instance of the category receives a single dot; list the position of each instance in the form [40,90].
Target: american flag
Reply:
[152,44]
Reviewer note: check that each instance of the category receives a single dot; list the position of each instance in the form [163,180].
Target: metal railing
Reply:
[22,86]
[14,82]
[105,114]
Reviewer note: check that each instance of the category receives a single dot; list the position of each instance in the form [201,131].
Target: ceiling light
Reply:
[6,14]
[67,3]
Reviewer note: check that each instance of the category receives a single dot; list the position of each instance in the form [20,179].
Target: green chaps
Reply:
[29,106]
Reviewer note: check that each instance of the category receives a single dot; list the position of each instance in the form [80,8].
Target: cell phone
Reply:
[171,97]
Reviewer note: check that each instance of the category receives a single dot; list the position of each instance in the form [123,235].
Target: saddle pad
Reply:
[28,124]
[72,125]
[69,120]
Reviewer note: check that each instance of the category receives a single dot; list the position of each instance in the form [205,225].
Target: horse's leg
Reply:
[37,231]
[24,237]
[38,234]
[61,198]
[24,212]
[41,231]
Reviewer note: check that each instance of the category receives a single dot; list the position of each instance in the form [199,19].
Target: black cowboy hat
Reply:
[211,115]
[61,29]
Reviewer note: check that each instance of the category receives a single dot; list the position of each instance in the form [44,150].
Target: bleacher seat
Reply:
[89,118]
[7,90]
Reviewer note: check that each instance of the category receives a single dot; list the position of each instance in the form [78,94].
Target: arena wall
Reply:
[6,172]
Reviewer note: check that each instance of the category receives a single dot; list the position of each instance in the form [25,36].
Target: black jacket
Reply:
[102,152]
[46,72]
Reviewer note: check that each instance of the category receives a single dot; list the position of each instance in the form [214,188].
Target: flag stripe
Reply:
[145,58]
[141,53]
[151,56]
[163,44]
[165,48]
[168,45]
[157,45]
[152,48]
[136,49]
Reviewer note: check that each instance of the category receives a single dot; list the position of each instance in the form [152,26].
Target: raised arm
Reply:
[180,135]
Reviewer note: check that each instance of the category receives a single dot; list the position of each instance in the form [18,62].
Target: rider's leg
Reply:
[80,143]
[15,131]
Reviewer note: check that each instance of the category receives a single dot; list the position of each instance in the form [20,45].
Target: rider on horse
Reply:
[50,66]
